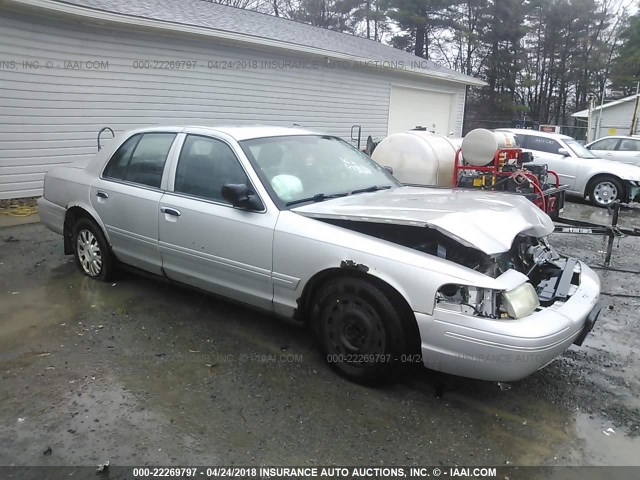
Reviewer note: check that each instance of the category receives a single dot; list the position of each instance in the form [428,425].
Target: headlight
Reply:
[521,301]
[469,300]
[483,302]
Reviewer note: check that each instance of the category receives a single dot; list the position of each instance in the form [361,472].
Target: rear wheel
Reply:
[359,330]
[91,250]
[603,191]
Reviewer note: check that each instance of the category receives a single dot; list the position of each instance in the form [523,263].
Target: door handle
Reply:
[170,211]
[100,194]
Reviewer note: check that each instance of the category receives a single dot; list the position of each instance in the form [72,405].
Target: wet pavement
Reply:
[143,372]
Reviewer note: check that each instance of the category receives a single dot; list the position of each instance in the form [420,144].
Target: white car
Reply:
[588,176]
[620,148]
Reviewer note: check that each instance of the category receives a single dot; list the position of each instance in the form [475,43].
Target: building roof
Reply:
[258,29]
[585,113]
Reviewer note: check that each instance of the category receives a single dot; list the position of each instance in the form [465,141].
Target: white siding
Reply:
[50,115]
[616,120]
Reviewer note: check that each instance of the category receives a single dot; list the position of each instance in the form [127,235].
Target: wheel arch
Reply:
[598,176]
[73,214]
[317,281]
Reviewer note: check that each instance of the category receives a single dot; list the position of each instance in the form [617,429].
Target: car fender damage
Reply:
[529,276]
[350,264]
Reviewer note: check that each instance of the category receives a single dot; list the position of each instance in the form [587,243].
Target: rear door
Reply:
[205,241]
[126,198]
[628,151]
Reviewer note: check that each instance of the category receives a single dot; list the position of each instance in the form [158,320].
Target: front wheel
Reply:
[604,191]
[359,329]
[91,250]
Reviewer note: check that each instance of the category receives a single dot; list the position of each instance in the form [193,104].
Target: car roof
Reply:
[627,137]
[238,132]
[535,133]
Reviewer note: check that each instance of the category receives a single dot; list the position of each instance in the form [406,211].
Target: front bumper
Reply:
[508,350]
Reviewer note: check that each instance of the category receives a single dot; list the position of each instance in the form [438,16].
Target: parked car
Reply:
[620,148]
[305,226]
[588,176]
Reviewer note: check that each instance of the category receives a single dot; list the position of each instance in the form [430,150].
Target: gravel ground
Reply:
[145,372]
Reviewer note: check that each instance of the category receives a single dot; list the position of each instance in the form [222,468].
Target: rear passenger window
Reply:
[542,144]
[205,166]
[118,163]
[629,145]
[141,159]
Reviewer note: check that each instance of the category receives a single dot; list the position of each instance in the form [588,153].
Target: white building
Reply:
[69,68]
[616,117]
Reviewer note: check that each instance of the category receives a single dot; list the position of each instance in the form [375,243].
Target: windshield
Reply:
[313,168]
[579,150]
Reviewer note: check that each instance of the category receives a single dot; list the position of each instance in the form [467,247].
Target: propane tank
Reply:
[479,146]
[418,157]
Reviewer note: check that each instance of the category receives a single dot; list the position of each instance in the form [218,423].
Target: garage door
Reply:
[410,107]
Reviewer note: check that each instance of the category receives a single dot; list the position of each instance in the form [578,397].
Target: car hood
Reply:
[487,221]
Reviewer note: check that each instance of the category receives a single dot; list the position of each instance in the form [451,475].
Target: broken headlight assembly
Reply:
[487,303]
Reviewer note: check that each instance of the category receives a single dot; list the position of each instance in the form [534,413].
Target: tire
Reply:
[91,250]
[359,330]
[603,191]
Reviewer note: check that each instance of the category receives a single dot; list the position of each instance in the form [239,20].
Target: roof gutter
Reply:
[122,19]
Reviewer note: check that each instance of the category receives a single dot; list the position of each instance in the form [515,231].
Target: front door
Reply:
[205,241]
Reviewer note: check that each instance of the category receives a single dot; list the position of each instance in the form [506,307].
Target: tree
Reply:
[330,14]
[626,67]
[419,21]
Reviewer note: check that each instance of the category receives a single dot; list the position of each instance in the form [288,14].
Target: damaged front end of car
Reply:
[532,306]
[538,275]
[491,297]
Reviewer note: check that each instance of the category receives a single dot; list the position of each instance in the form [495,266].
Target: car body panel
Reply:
[304,246]
[267,258]
[488,221]
[228,250]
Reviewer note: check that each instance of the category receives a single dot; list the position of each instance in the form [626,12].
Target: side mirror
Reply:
[388,169]
[239,195]
[563,151]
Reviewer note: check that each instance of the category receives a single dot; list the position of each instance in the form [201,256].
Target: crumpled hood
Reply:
[487,221]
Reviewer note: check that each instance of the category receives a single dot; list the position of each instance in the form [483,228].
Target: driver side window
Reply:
[205,166]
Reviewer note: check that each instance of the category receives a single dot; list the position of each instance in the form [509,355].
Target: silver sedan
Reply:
[307,227]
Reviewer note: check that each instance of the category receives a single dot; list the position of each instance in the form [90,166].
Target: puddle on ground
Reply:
[601,446]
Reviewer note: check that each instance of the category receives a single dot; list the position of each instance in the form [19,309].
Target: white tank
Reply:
[418,157]
[479,146]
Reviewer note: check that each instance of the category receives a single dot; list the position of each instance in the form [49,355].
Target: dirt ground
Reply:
[144,372]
